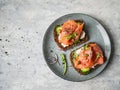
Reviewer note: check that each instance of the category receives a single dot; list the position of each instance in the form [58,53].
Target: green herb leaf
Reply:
[74,55]
[79,23]
[74,35]
[62,56]
[64,61]
[79,62]
[97,55]
[77,41]
[71,36]
[58,28]
[86,46]
[86,55]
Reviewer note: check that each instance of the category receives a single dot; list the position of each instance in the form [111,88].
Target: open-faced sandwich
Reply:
[86,58]
[70,34]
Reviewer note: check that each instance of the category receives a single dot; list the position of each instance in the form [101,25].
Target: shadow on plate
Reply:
[111,40]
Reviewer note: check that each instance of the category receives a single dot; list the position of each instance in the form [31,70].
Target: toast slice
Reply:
[93,58]
[76,43]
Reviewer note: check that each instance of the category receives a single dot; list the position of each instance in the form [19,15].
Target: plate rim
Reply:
[107,62]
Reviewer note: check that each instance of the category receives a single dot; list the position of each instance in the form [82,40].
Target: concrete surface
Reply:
[22,27]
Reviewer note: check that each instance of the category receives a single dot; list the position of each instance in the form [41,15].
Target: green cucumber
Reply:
[85,70]
[64,61]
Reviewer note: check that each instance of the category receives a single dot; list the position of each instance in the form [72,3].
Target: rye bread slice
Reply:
[70,46]
[78,70]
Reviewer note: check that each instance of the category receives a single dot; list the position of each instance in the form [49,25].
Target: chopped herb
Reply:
[64,62]
[86,55]
[74,35]
[78,62]
[97,55]
[74,55]
[58,28]
[79,23]
[71,36]
[86,46]
[77,41]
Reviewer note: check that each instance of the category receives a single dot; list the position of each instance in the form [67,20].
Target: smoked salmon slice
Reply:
[70,32]
[88,56]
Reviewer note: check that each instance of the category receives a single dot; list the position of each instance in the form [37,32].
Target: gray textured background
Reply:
[22,27]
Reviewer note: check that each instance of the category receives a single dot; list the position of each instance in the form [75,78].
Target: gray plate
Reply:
[96,33]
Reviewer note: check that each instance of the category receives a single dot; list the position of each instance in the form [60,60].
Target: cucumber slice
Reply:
[58,28]
[85,70]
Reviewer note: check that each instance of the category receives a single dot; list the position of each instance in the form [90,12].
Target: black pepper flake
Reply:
[19,28]
[6,53]
[7,40]
[51,51]
[28,57]
[0,39]
[3,27]
[9,63]
[1,72]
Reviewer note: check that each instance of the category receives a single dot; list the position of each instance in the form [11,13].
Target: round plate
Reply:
[96,33]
